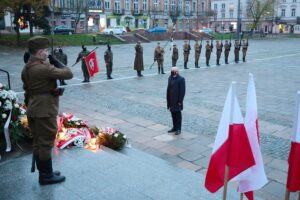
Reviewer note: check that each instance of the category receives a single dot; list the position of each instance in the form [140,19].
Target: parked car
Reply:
[206,30]
[224,31]
[62,29]
[157,29]
[115,30]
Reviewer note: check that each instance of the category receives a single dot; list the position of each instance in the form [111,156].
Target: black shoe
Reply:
[140,75]
[178,132]
[109,78]
[226,63]
[47,179]
[63,83]
[186,68]
[171,130]
[85,81]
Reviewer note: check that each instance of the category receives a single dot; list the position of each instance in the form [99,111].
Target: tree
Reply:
[258,10]
[23,11]
[80,8]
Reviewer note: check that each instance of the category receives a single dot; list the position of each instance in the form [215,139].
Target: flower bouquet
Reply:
[110,137]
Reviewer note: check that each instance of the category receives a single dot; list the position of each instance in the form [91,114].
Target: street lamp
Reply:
[238,29]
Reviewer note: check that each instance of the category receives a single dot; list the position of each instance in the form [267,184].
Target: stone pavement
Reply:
[106,175]
[137,105]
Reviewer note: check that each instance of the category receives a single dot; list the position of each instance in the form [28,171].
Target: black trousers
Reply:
[177,118]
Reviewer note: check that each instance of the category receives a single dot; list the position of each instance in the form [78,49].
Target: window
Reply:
[136,6]
[282,12]
[294,1]
[173,6]
[62,3]
[223,5]
[202,6]
[145,5]
[166,6]
[231,14]
[215,6]
[117,7]
[223,15]
[155,4]
[187,7]
[127,5]
[194,6]
[293,12]
[107,4]
[180,5]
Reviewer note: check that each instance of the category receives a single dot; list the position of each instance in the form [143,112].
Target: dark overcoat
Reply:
[138,61]
[175,93]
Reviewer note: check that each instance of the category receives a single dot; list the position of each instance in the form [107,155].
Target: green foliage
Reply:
[64,40]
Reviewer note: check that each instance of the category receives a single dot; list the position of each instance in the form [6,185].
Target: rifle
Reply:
[82,58]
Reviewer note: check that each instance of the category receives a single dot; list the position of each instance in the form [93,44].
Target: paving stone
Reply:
[277,190]
[190,156]
[155,144]
[171,158]
[277,175]
[203,162]
[158,127]
[165,138]
[279,164]
[188,165]
[285,133]
[153,151]
[172,150]
[198,147]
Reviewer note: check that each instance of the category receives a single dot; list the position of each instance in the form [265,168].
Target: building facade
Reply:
[288,16]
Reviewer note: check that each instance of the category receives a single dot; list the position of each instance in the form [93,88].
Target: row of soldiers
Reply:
[159,52]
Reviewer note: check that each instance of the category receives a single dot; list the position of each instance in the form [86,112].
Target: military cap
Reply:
[38,42]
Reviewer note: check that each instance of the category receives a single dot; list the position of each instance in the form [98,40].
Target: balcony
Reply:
[137,12]
[118,12]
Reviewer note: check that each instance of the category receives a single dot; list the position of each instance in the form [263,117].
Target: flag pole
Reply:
[287,194]
[81,58]
[241,197]
[233,88]
[299,195]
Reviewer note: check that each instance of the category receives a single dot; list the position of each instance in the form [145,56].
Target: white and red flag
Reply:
[91,63]
[231,147]
[255,177]
[293,179]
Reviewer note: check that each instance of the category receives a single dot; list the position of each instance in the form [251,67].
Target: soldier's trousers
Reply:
[236,56]
[85,73]
[226,56]
[109,69]
[218,57]
[244,56]
[197,60]
[207,55]
[174,61]
[44,133]
[160,66]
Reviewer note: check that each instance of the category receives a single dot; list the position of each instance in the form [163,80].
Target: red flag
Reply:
[293,179]
[91,63]
[231,147]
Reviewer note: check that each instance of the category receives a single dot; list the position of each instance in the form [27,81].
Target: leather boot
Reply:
[47,176]
[162,71]
[158,70]
[37,161]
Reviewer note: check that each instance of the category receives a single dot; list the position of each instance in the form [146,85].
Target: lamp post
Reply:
[238,29]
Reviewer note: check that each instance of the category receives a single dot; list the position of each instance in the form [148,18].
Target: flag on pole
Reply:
[231,147]
[91,63]
[255,177]
[293,179]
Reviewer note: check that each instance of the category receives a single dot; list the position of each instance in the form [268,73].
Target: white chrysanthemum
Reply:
[3,94]
[4,115]
[116,135]
[124,136]
[0,103]
[1,85]
[16,105]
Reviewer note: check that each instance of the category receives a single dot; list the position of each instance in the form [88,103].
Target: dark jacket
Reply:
[138,61]
[175,93]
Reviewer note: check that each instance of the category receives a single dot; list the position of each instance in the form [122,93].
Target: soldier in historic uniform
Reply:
[227,47]
[108,57]
[138,61]
[41,98]
[63,58]
[198,48]
[159,57]
[237,47]
[174,55]
[219,47]
[244,49]
[208,51]
[84,69]
[186,53]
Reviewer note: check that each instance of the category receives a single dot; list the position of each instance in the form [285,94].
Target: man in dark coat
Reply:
[108,57]
[138,61]
[84,69]
[41,98]
[175,96]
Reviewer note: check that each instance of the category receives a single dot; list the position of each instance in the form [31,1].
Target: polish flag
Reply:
[231,147]
[255,177]
[293,179]
[91,63]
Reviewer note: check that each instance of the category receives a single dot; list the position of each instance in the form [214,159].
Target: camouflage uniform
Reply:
[237,47]
[208,51]
[159,57]
[227,47]
[186,53]
[63,58]
[174,55]
[108,57]
[219,48]
[197,53]
[244,49]
[84,69]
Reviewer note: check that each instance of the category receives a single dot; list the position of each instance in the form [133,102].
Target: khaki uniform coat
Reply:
[186,52]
